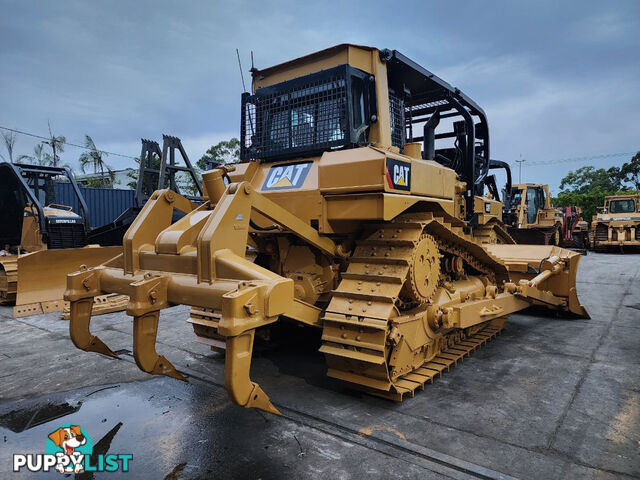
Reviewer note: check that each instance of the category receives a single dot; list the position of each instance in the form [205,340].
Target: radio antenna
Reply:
[241,74]
[253,133]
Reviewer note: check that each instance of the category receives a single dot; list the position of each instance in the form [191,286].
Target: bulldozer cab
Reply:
[33,218]
[530,216]
[351,96]
[528,200]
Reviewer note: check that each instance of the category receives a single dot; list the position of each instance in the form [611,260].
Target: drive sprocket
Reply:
[424,271]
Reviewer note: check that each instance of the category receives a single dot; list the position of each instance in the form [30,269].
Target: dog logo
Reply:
[283,177]
[398,174]
[69,449]
[70,444]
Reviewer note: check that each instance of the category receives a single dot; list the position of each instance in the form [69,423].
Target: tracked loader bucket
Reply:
[546,267]
[42,276]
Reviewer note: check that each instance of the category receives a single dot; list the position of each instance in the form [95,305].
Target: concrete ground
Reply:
[549,398]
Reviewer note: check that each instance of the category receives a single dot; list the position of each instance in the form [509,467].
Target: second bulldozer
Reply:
[616,226]
[531,219]
[42,240]
[359,209]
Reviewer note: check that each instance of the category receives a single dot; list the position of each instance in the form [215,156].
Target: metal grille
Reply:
[67,235]
[304,115]
[396,111]
[602,232]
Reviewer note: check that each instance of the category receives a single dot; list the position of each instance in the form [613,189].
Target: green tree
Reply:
[630,171]
[589,179]
[95,158]
[224,152]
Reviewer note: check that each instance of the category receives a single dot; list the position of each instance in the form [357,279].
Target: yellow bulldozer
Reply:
[530,217]
[616,225]
[43,241]
[358,209]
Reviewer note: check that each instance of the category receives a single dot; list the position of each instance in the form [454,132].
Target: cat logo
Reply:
[399,174]
[282,177]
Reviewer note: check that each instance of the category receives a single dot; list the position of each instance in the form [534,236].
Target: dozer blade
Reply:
[42,276]
[547,268]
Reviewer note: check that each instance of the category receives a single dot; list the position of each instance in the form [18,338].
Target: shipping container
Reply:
[104,204]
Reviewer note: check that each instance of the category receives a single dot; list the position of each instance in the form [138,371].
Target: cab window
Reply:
[622,206]
[516,197]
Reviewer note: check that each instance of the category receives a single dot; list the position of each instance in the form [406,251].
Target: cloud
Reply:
[555,80]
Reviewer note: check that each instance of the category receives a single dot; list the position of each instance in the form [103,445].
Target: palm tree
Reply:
[38,158]
[95,158]
[57,145]
[9,138]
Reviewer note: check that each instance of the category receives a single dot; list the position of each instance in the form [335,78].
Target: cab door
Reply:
[532,205]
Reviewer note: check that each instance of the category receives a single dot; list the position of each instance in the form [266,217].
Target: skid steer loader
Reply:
[43,241]
[359,209]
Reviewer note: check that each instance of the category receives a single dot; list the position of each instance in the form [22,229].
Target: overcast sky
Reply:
[556,79]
